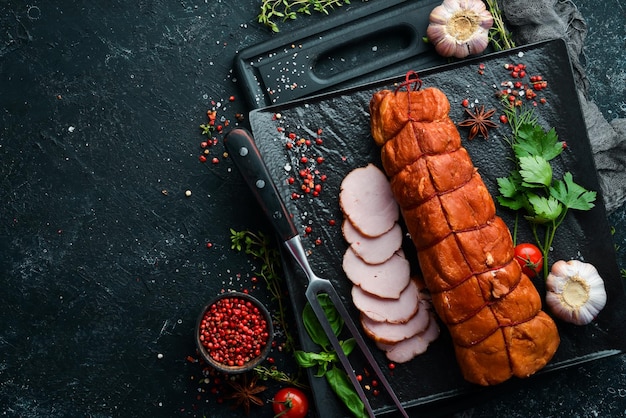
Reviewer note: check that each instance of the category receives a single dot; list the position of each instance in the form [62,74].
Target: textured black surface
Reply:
[101,271]
[347,144]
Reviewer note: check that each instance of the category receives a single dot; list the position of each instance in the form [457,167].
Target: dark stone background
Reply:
[104,263]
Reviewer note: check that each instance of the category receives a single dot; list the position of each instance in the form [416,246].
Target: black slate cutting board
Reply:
[433,378]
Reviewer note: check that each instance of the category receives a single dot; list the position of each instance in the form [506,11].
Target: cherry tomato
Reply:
[290,403]
[529,258]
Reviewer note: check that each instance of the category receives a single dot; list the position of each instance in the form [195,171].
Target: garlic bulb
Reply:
[575,291]
[459,28]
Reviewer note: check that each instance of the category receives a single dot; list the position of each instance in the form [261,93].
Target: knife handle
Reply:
[243,151]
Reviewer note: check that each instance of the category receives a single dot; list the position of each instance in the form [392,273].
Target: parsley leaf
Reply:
[546,209]
[535,171]
[572,195]
[532,140]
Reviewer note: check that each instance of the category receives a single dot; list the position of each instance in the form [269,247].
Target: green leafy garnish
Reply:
[326,360]
[290,9]
[531,187]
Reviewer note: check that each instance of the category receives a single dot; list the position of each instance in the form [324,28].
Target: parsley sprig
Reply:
[531,188]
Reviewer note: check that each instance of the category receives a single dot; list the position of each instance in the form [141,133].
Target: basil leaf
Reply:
[348,345]
[342,386]
[314,328]
[305,359]
[336,321]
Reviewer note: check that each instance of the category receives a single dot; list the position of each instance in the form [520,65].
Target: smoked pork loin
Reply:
[465,251]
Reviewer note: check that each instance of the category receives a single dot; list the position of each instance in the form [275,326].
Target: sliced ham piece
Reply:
[408,349]
[387,310]
[388,333]
[386,280]
[366,200]
[374,250]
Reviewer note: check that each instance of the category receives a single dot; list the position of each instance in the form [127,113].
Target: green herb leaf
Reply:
[572,195]
[535,171]
[546,209]
[508,187]
[314,328]
[348,345]
[532,140]
[342,386]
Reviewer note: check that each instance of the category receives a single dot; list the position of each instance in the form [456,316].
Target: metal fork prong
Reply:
[334,341]
[365,349]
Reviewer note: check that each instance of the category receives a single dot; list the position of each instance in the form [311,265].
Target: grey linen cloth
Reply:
[538,20]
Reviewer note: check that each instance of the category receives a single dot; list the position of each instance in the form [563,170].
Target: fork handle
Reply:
[243,151]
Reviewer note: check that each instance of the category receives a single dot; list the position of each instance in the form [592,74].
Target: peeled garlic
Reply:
[575,291]
[459,28]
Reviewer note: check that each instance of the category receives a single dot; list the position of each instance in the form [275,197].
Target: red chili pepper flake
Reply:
[504,119]
[359,377]
[291,180]
[233,331]
[292,136]
[319,141]
[564,144]
[304,160]
[543,100]
[209,245]
[308,230]
[375,392]
[465,103]
[320,160]
[332,222]
[231,99]
[215,160]
[318,242]
[202,159]
[392,366]
[254,279]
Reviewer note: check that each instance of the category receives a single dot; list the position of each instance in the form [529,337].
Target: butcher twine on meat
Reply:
[465,251]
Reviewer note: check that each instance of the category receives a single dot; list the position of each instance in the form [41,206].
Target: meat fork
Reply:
[246,156]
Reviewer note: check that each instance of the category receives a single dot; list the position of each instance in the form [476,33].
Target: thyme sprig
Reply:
[499,36]
[266,373]
[272,10]
[259,246]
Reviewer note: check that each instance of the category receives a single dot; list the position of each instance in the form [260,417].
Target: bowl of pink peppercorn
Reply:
[234,332]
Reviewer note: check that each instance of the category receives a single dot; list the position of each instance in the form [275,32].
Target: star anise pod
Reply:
[245,391]
[479,122]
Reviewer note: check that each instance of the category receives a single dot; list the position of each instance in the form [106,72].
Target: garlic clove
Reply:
[575,291]
[458,28]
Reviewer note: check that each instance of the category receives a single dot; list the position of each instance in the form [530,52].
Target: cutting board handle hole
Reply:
[363,51]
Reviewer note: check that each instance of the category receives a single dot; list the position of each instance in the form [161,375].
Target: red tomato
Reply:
[290,403]
[529,258]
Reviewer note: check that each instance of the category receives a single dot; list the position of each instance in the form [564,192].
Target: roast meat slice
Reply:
[387,310]
[366,200]
[406,350]
[386,280]
[373,250]
[389,333]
